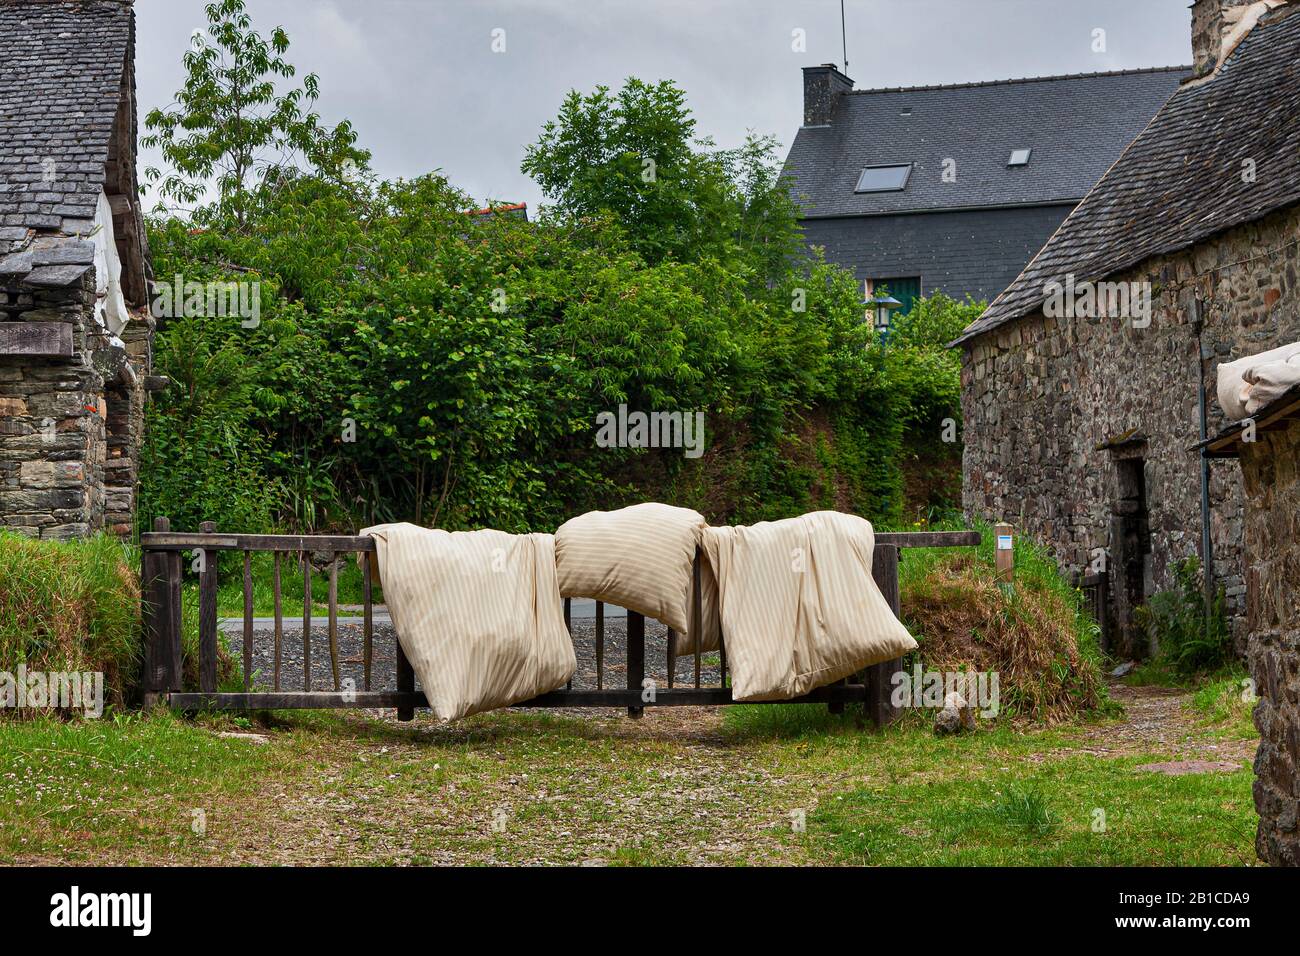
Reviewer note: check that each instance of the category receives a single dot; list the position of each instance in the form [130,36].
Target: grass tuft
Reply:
[71,606]
[1026,810]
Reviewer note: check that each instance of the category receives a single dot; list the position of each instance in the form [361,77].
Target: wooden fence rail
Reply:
[161,571]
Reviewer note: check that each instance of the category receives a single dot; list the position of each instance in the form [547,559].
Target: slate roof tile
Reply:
[1180,182]
[1076,126]
[63,62]
[55,276]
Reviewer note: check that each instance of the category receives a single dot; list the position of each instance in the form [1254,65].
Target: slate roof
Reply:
[1180,182]
[59,92]
[1076,126]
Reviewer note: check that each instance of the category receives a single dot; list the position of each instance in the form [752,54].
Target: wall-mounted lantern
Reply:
[881,306]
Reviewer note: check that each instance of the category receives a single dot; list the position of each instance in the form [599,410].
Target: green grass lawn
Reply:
[1066,812]
[749,785]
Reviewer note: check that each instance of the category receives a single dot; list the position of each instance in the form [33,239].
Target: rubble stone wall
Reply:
[1040,395]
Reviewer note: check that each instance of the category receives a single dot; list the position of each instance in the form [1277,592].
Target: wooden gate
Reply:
[161,585]
[1096,599]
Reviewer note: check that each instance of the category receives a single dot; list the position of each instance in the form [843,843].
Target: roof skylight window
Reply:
[1019,157]
[883,179]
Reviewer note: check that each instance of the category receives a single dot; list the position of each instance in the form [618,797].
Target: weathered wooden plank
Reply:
[635,660]
[279,616]
[160,592]
[600,645]
[368,625]
[697,611]
[568,626]
[248,622]
[884,570]
[186,541]
[409,700]
[53,339]
[406,686]
[208,580]
[305,557]
[929,539]
[334,617]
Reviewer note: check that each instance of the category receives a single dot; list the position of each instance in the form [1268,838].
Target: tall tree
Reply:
[230,129]
[634,156]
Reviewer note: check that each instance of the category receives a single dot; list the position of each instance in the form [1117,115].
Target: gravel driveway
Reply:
[384,661]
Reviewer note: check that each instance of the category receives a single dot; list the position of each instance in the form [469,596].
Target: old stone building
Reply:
[75,327]
[1081,402]
[1268,447]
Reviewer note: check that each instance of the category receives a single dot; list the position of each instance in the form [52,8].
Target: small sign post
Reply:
[1004,553]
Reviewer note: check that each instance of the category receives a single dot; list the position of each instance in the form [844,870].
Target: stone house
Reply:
[1083,382]
[75,325]
[954,188]
[1269,454]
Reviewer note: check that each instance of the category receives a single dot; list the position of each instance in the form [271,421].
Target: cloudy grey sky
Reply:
[421,83]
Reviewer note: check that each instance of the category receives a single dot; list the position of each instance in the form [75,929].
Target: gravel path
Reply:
[384,660]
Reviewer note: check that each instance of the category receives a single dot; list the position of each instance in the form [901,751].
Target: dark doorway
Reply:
[1130,547]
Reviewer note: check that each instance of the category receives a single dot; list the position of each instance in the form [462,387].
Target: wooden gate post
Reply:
[879,709]
[160,612]
[405,683]
[1004,555]
[635,657]
[208,581]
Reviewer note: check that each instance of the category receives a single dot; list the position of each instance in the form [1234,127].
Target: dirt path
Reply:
[667,788]
[673,787]
[1157,718]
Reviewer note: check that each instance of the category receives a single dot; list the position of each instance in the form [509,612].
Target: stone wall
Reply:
[1271,471]
[1040,395]
[57,449]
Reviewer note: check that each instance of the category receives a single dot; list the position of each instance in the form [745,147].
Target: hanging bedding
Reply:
[478,614]
[1251,383]
[797,603]
[639,558]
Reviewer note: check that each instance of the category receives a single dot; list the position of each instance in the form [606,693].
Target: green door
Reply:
[905,290]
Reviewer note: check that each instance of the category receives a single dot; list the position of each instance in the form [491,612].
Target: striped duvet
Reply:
[478,614]
[799,608]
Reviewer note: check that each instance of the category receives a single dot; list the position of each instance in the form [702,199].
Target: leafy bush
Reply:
[1189,637]
[416,363]
[71,607]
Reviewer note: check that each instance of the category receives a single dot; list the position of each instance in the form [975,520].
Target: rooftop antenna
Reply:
[844,42]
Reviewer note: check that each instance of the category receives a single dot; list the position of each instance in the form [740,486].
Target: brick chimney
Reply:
[821,87]
[1211,21]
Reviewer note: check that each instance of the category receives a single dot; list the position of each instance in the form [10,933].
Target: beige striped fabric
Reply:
[638,557]
[478,614]
[799,608]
